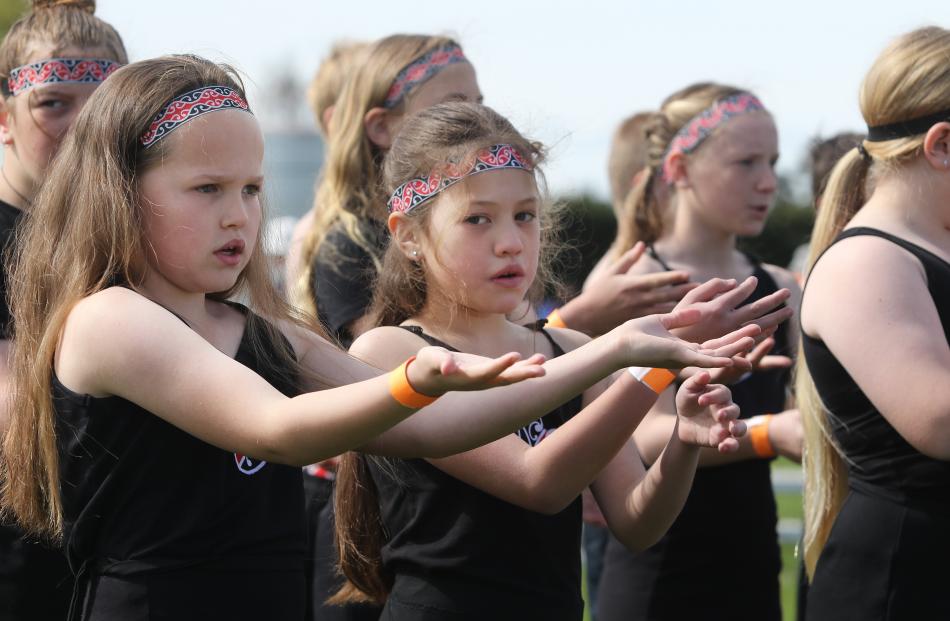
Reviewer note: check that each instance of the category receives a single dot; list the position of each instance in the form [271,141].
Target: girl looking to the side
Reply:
[498,527]
[875,331]
[152,417]
[51,60]
[715,148]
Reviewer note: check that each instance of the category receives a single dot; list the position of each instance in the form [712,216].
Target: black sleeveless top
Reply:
[880,461]
[460,553]
[734,497]
[161,525]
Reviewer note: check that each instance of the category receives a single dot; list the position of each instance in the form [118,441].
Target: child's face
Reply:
[732,180]
[483,238]
[200,203]
[37,119]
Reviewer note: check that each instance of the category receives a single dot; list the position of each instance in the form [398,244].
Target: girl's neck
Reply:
[692,242]
[910,204]
[471,331]
[15,188]
[192,307]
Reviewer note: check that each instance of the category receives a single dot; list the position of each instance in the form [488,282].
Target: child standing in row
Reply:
[51,60]
[499,527]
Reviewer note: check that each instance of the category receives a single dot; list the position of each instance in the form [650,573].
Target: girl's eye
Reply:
[208,188]
[51,103]
[476,219]
[252,189]
[525,216]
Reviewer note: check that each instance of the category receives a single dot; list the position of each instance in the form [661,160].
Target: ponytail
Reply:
[826,477]
[359,534]
[641,218]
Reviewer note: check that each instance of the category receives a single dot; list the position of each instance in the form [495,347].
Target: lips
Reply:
[510,276]
[231,252]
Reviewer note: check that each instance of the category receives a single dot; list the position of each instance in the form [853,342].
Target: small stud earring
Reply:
[414,253]
[946,163]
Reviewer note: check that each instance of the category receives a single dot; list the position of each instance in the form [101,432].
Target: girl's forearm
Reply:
[658,498]
[461,421]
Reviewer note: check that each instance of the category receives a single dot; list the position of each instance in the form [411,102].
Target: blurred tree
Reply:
[10,11]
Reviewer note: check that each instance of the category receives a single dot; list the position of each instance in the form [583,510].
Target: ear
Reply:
[937,146]
[326,117]
[6,136]
[403,234]
[376,123]
[677,169]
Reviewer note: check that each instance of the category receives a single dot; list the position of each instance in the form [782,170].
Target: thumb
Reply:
[697,382]
[680,318]
[629,258]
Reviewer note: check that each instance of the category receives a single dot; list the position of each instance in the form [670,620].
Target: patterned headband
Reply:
[60,70]
[416,191]
[703,124]
[422,70]
[190,105]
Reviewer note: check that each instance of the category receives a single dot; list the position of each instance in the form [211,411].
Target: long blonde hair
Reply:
[640,217]
[327,83]
[910,79]
[84,234]
[349,192]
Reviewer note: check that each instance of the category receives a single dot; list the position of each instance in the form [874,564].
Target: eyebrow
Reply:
[523,201]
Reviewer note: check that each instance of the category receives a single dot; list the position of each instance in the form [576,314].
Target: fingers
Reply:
[770,363]
[629,258]
[772,319]
[709,290]
[731,337]
[730,350]
[735,297]
[763,305]
[647,282]
[758,352]
[715,394]
[680,318]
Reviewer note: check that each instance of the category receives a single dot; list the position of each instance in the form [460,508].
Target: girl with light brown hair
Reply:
[872,384]
[498,528]
[51,60]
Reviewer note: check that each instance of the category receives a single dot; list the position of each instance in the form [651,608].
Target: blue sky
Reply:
[567,72]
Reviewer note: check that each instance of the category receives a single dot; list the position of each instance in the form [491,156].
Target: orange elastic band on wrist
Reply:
[403,392]
[656,379]
[555,321]
[759,436]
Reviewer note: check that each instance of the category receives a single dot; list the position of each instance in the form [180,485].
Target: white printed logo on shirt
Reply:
[533,433]
[248,465]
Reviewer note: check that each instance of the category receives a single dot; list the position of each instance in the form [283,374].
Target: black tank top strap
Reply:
[918,251]
[538,326]
[651,250]
[428,338]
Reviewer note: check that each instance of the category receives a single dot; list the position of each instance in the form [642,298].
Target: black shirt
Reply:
[342,277]
[460,553]
[161,525]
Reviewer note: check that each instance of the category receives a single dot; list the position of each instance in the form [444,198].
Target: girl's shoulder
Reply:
[568,339]
[784,278]
[386,346]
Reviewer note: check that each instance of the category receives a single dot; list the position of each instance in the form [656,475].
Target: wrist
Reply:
[655,379]
[758,430]
[556,319]
[402,386]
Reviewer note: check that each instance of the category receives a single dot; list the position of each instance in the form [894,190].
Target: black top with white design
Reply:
[161,525]
[460,553]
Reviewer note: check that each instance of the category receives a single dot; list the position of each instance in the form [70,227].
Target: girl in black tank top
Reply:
[710,180]
[872,384]
[163,450]
[496,530]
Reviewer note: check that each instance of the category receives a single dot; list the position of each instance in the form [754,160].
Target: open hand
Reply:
[648,342]
[707,415]
[614,295]
[757,360]
[718,300]
[436,370]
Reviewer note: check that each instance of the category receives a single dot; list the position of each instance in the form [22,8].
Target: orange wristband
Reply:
[403,392]
[555,321]
[655,379]
[759,435]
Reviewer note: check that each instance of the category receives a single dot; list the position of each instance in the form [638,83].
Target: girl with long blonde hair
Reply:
[709,179]
[872,384]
